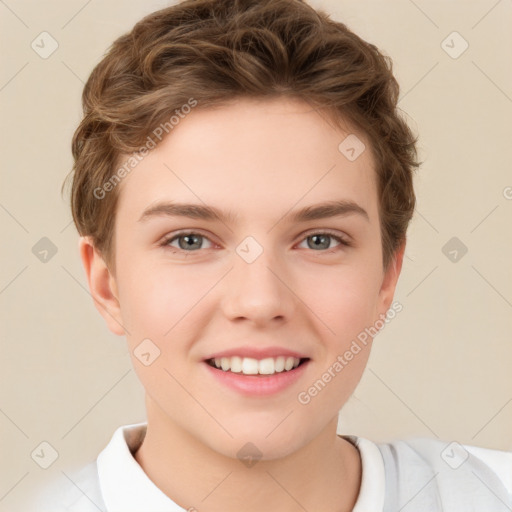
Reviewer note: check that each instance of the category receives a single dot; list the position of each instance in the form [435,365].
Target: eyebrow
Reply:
[203,212]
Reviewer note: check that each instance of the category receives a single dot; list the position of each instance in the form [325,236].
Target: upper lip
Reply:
[257,353]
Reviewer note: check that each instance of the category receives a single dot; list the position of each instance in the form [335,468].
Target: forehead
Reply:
[254,157]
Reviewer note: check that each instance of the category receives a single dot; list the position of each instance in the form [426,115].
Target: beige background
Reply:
[441,369]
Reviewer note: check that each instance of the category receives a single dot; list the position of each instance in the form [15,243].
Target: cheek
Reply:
[155,297]
[158,304]
[345,307]
[344,300]
[156,292]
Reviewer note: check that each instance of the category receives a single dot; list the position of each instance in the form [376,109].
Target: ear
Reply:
[102,285]
[390,279]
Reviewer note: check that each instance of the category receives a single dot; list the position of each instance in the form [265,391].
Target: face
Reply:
[271,279]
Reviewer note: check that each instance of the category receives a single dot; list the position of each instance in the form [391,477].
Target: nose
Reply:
[259,291]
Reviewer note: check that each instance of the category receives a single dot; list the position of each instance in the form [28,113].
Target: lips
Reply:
[256,377]
[257,371]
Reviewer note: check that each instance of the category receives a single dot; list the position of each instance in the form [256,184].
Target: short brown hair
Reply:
[217,50]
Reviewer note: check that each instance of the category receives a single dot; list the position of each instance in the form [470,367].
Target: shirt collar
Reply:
[124,485]
[126,488]
[373,478]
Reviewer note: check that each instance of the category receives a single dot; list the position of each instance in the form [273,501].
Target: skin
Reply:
[260,159]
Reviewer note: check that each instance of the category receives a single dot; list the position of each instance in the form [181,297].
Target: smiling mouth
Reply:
[251,366]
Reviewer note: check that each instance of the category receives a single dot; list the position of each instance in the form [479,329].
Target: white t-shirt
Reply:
[420,475]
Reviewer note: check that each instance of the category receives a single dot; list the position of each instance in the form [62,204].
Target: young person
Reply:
[242,186]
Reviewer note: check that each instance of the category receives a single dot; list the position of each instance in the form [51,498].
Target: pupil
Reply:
[189,241]
[324,245]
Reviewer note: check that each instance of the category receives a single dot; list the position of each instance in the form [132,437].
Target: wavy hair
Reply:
[217,50]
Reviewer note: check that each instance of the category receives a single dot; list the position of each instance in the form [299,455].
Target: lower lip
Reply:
[258,385]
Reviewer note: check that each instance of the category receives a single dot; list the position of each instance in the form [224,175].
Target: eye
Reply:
[187,241]
[322,240]
[190,241]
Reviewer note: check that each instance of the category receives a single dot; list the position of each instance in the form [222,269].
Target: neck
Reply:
[323,475]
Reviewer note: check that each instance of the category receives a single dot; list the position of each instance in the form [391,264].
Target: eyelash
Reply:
[167,240]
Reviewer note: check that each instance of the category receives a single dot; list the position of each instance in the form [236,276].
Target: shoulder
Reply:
[448,475]
[72,491]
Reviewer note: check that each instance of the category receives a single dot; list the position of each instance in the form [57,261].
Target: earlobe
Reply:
[390,280]
[102,285]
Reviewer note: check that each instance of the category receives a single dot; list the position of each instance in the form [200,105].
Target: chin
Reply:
[251,442]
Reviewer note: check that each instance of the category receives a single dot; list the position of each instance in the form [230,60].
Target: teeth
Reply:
[250,366]
[279,364]
[266,366]
[235,365]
